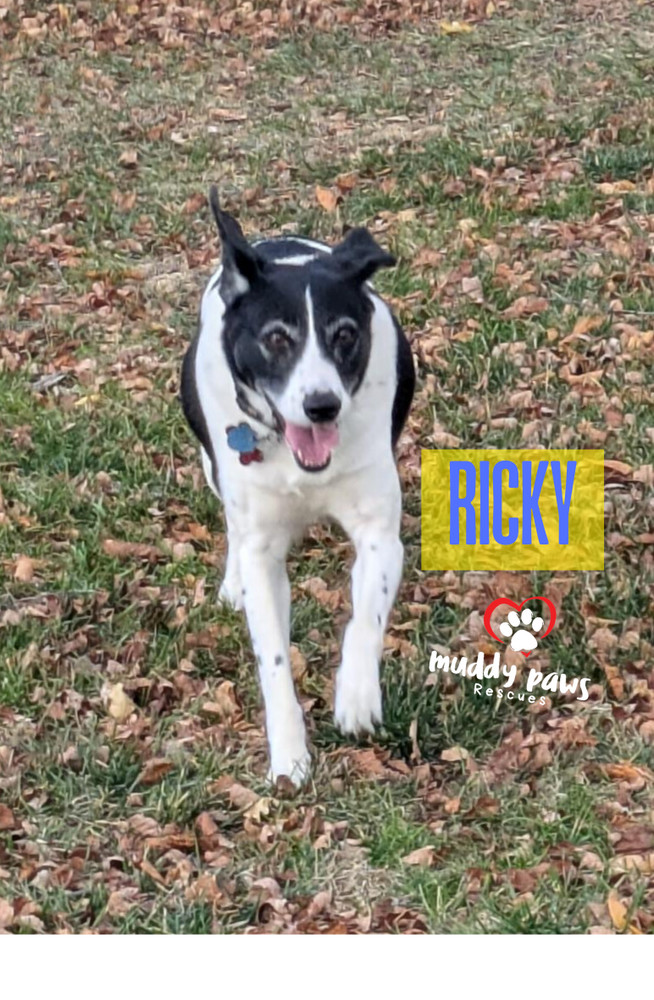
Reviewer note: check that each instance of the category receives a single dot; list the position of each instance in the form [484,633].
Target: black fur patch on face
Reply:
[342,312]
[266,328]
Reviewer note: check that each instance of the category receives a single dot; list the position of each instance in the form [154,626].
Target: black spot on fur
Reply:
[279,659]
[405,385]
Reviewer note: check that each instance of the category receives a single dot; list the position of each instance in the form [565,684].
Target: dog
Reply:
[297,386]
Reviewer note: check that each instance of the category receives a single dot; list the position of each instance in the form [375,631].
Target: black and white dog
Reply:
[297,385]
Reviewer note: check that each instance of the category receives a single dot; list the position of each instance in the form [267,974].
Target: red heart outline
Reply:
[505,600]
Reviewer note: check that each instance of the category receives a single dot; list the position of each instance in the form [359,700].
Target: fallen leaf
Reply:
[24,569]
[422,856]
[617,911]
[636,777]
[319,903]
[239,796]
[144,826]
[455,753]
[327,198]
[121,901]
[31,921]
[585,324]
[225,700]
[118,703]
[259,809]
[455,27]
[130,550]
[647,731]
[154,770]
[298,664]
[6,913]
[129,159]
[345,182]
[621,469]
[7,818]
[526,305]
[148,869]
[619,187]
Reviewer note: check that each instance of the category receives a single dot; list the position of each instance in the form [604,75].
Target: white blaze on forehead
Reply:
[298,261]
[319,372]
[313,373]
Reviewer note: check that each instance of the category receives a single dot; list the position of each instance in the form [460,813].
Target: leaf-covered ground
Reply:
[504,152]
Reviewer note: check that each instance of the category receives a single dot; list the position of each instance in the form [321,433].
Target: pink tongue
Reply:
[312,445]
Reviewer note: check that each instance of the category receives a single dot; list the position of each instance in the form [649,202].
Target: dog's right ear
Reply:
[241,263]
[359,256]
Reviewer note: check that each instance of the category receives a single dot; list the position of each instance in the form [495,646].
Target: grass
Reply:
[519,153]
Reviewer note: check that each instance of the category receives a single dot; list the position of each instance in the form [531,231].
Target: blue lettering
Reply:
[458,503]
[563,502]
[530,503]
[513,522]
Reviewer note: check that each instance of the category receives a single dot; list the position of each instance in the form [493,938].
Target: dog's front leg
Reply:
[375,578]
[267,599]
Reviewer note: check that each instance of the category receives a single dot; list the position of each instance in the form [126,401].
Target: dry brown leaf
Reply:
[225,700]
[637,777]
[143,826]
[455,27]
[619,468]
[644,474]
[617,911]
[647,731]
[239,796]
[319,903]
[585,324]
[121,901]
[345,182]
[154,770]
[129,159]
[298,664]
[526,305]
[259,809]
[130,550]
[422,856]
[7,818]
[32,921]
[118,703]
[148,869]
[617,187]
[455,753]
[6,913]
[24,569]
[327,198]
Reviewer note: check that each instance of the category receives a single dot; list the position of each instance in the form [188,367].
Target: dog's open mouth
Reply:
[311,446]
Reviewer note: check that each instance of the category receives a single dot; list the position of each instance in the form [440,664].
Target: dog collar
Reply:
[244,440]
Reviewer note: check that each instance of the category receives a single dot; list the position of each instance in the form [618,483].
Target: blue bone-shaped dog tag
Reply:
[243,440]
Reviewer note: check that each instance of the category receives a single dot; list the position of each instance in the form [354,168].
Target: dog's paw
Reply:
[358,702]
[291,762]
[231,593]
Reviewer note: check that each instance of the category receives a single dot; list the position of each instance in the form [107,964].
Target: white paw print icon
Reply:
[520,630]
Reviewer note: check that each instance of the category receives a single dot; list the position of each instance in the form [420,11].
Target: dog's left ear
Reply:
[241,263]
[358,256]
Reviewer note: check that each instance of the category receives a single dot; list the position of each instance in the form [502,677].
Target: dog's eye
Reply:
[277,339]
[344,335]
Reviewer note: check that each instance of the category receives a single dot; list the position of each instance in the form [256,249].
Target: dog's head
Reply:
[299,335]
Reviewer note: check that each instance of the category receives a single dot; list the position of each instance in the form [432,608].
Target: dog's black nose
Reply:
[322,407]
